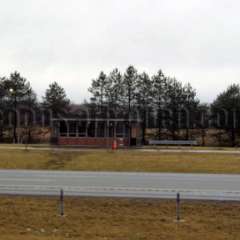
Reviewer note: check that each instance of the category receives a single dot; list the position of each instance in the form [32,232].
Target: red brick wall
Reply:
[85,141]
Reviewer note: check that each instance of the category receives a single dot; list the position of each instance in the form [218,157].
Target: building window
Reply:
[91,129]
[111,129]
[72,129]
[63,129]
[101,129]
[120,129]
[82,127]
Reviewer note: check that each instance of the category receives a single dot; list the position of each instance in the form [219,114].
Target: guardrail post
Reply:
[178,207]
[61,204]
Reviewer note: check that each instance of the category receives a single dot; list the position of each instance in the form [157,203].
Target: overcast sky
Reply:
[71,41]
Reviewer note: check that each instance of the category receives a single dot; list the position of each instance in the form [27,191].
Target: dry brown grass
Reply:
[121,161]
[37,218]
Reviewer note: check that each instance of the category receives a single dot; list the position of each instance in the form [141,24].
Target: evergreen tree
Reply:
[56,100]
[99,89]
[2,105]
[159,91]
[174,99]
[16,89]
[30,101]
[114,90]
[226,111]
[190,107]
[202,120]
[144,96]
[129,88]
[129,84]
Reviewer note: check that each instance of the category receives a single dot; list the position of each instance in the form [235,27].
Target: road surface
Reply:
[109,184]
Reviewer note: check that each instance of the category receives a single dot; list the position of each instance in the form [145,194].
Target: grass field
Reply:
[116,219]
[120,161]
[41,146]
[29,218]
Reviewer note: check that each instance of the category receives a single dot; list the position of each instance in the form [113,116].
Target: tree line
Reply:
[158,101]
[164,103]
[163,99]
[19,106]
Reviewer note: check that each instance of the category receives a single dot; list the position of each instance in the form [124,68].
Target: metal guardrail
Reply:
[173,142]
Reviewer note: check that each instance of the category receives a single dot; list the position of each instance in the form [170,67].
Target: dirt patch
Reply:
[57,161]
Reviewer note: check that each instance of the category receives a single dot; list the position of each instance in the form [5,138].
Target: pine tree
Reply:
[56,100]
[174,99]
[190,106]
[144,98]
[16,89]
[129,88]
[99,89]
[114,90]
[159,91]
[226,111]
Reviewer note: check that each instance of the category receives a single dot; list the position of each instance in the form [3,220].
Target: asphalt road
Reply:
[109,184]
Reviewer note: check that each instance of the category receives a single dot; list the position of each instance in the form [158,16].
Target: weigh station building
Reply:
[96,131]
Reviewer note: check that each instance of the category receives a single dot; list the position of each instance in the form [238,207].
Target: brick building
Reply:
[96,132]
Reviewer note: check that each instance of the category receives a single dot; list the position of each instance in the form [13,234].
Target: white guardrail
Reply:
[173,142]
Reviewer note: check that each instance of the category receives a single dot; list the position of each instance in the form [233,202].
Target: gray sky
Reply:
[70,41]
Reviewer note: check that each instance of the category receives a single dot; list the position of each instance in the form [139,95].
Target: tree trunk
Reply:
[144,128]
[187,133]
[203,134]
[233,137]
[129,120]
[159,124]
[233,130]
[15,140]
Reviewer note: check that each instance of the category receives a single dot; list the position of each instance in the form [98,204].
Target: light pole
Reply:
[13,93]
